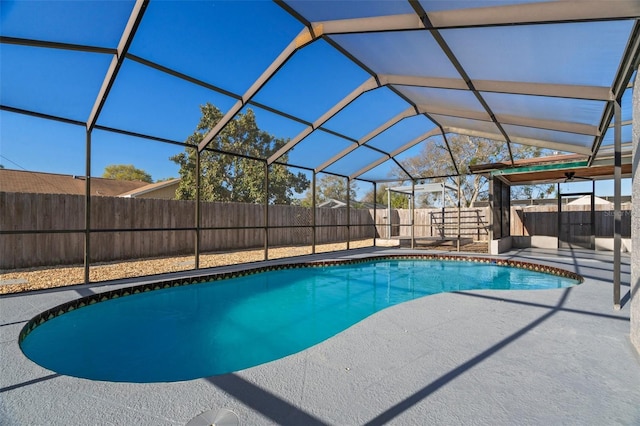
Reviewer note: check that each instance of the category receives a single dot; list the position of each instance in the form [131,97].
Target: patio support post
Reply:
[634,289]
[117,59]
[412,206]
[492,200]
[313,213]
[443,232]
[348,212]
[617,211]
[458,240]
[198,213]
[266,211]
[592,242]
[375,210]
[559,214]
[389,212]
[87,208]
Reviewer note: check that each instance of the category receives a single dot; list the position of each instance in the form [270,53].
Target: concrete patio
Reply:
[479,357]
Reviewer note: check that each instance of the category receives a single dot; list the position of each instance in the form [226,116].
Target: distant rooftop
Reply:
[52,183]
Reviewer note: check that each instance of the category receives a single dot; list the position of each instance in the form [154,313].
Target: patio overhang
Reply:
[556,169]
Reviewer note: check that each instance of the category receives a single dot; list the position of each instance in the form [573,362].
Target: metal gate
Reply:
[576,229]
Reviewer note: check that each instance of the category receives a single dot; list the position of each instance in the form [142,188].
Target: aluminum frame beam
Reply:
[302,39]
[56,45]
[517,14]
[368,85]
[557,146]
[459,68]
[409,112]
[560,126]
[596,93]
[454,112]
[392,154]
[629,63]
[116,62]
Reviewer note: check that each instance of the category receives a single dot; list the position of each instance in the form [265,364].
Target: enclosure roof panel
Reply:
[338,83]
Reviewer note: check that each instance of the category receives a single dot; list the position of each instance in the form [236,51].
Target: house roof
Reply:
[52,183]
[586,200]
[150,187]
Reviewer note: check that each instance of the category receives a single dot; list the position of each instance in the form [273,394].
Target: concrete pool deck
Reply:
[478,357]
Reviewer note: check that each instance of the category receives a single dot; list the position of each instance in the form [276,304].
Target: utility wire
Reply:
[64,191]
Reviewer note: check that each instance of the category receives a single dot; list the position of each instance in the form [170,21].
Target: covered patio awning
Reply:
[554,169]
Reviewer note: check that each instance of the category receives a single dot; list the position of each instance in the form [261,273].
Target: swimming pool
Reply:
[199,327]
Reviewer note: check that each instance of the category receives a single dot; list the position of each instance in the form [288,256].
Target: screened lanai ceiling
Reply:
[356,87]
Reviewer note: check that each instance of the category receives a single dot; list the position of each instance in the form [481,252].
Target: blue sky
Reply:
[227,44]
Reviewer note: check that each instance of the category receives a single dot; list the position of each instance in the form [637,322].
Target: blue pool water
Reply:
[207,329]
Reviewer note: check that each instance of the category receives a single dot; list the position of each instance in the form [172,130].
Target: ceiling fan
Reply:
[571,176]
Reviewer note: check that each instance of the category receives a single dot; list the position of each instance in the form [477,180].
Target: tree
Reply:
[126,172]
[398,201]
[529,192]
[226,177]
[331,187]
[435,160]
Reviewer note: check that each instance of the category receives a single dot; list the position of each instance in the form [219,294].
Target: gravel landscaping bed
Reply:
[16,281]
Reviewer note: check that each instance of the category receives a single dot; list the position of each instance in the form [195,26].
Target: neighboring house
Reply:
[585,200]
[165,190]
[332,204]
[52,183]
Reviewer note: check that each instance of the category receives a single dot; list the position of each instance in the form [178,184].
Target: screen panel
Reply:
[306,86]
[148,101]
[586,53]
[549,135]
[206,39]
[545,108]
[317,10]
[93,23]
[57,82]
[413,53]
[366,113]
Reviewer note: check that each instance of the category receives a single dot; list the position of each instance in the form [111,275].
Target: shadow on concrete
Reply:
[84,291]
[263,401]
[569,258]
[13,323]
[432,387]
[625,299]
[28,383]
[283,412]
[540,305]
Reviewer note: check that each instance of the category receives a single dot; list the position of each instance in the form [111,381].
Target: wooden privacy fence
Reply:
[131,228]
[543,220]
[125,228]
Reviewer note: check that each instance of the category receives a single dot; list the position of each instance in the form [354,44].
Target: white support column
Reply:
[635,222]
[459,205]
[389,213]
[412,206]
[617,213]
